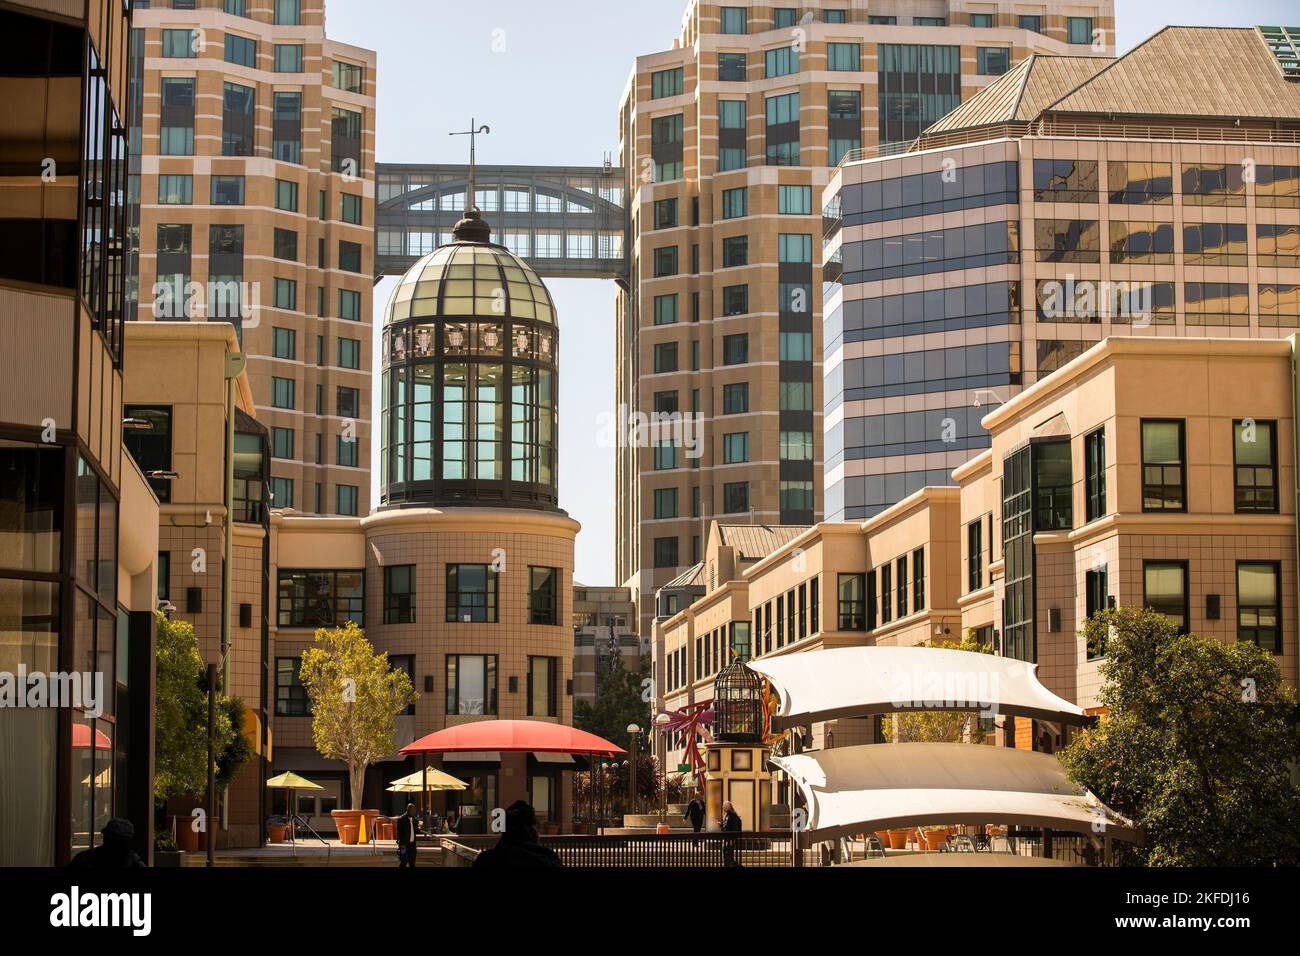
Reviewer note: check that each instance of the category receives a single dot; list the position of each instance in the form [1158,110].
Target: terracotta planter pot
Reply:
[276,832]
[883,836]
[348,833]
[662,828]
[186,839]
[898,839]
[352,818]
[933,839]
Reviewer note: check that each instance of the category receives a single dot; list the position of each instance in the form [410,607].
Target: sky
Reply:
[547,78]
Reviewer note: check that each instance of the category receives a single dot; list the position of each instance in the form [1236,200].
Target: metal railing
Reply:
[769,849]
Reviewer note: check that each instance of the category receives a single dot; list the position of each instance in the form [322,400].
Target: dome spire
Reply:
[472,228]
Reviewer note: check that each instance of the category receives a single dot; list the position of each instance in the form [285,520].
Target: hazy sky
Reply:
[547,77]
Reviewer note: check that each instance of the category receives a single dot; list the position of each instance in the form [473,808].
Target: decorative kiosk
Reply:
[736,757]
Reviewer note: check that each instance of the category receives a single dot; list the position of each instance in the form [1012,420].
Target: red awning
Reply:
[514,736]
[81,738]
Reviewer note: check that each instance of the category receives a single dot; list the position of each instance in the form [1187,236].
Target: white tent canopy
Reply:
[861,681]
[870,787]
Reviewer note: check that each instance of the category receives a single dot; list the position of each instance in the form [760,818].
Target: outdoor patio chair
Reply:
[874,846]
[962,843]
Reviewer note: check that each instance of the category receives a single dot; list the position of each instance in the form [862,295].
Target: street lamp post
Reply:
[634,732]
[661,745]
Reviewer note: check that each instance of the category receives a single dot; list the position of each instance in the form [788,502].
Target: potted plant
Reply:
[277,828]
[897,839]
[165,852]
[662,825]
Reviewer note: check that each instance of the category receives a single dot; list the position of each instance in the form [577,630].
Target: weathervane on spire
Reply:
[471,133]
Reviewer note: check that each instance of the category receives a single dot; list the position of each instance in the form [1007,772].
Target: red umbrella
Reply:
[513,736]
[81,738]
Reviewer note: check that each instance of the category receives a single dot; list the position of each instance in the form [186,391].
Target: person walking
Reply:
[519,846]
[731,823]
[406,830]
[695,811]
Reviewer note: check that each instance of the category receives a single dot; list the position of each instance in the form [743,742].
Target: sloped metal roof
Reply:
[1020,94]
[754,541]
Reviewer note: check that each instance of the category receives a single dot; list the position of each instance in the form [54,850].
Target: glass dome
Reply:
[470,380]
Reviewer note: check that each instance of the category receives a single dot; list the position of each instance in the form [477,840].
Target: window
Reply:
[665,456]
[665,357]
[543,673]
[471,594]
[782,61]
[1254,460]
[930,21]
[345,496]
[150,447]
[795,397]
[282,392]
[1165,590]
[287,12]
[543,607]
[734,20]
[350,305]
[164,575]
[665,261]
[1053,486]
[796,346]
[735,398]
[882,20]
[844,57]
[347,401]
[735,299]
[783,17]
[852,611]
[349,256]
[666,83]
[182,44]
[1164,485]
[794,200]
[735,448]
[1259,605]
[731,67]
[241,50]
[1151,243]
[665,552]
[796,446]
[1138,183]
[349,77]
[782,113]
[321,598]
[1078,30]
[349,353]
[471,684]
[795,496]
[285,244]
[1094,469]
[345,453]
[1096,598]
[992,60]
[237,122]
[665,310]
[835,16]
[735,202]
[735,251]
[918,579]
[345,142]
[1213,185]
[665,213]
[282,443]
[872,606]
[794,248]
[901,571]
[918,84]
[665,503]
[286,294]
[176,120]
[351,208]
[1214,244]
[975,555]
[399,594]
[286,195]
[282,493]
[735,349]
[227,190]
[1030,21]
[983,21]
[176,189]
[288,58]
[735,497]
[291,698]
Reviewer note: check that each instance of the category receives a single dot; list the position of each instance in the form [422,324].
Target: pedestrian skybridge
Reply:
[564,221]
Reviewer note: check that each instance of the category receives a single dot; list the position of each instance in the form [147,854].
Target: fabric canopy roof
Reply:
[874,786]
[860,681]
[513,736]
[429,778]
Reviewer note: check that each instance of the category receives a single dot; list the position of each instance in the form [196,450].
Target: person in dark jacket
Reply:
[518,846]
[405,829]
[115,852]
[695,811]
[730,824]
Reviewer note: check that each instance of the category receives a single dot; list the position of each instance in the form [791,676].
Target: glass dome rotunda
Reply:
[470,380]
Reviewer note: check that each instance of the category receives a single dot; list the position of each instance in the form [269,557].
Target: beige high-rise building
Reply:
[256,189]
[728,139]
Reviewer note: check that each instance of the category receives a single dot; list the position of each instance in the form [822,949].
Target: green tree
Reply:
[355,697]
[181,718]
[939,726]
[623,699]
[1195,745]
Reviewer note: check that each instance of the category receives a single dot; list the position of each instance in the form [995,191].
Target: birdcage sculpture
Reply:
[738,705]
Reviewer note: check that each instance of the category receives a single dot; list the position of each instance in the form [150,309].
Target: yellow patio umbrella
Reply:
[291,781]
[416,782]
